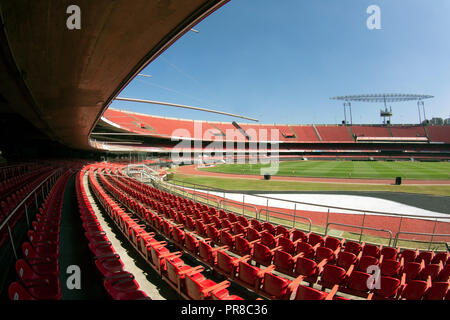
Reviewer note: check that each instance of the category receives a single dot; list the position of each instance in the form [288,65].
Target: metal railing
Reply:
[40,188]
[223,202]
[432,235]
[359,227]
[294,217]
[199,189]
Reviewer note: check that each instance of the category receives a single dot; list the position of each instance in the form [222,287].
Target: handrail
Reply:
[11,214]
[432,235]
[286,214]
[177,191]
[321,205]
[222,201]
[182,185]
[359,227]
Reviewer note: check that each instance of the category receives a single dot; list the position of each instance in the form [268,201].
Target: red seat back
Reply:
[248,274]
[307,293]
[276,287]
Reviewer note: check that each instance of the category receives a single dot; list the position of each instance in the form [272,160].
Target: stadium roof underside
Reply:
[60,81]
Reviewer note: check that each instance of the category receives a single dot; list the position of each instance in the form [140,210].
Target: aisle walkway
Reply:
[74,251]
[149,281]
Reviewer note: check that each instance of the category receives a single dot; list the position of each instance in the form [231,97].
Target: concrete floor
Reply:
[149,281]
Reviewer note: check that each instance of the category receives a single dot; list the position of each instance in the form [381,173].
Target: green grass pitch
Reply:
[347,169]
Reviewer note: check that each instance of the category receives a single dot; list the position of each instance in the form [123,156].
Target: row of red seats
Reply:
[38,270]
[12,201]
[12,184]
[369,251]
[261,281]
[191,283]
[119,283]
[208,254]
[10,171]
[202,221]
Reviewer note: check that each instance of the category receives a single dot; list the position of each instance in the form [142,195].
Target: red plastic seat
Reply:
[18,291]
[176,271]
[223,294]
[307,293]
[243,246]
[415,289]
[178,236]
[253,234]
[226,239]
[391,267]
[108,266]
[40,250]
[167,229]
[299,235]
[191,244]
[213,234]
[263,254]
[357,284]
[276,287]
[389,253]
[232,217]
[308,268]
[200,228]
[42,266]
[251,276]
[437,291]
[365,262]
[132,295]
[120,283]
[267,226]
[371,250]
[413,270]
[346,259]
[308,250]
[287,245]
[42,287]
[200,288]
[333,243]
[389,289]
[243,221]
[228,265]
[208,253]
[283,231]
[269,239]
[444,275]
[333,275]
[190,223]
[426,256]
[440,256]
[239,229]
[324,253]
[256,225]
[431,270]
[409,255]
[353,247]
[314,239]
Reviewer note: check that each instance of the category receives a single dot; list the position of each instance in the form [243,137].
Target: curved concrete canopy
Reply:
[62,80]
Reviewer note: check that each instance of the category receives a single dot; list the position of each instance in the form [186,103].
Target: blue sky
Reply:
[281,61]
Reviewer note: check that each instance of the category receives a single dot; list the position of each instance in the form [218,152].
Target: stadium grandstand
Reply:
[102,203]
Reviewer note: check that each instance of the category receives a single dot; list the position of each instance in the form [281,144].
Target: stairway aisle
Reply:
[75,251]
